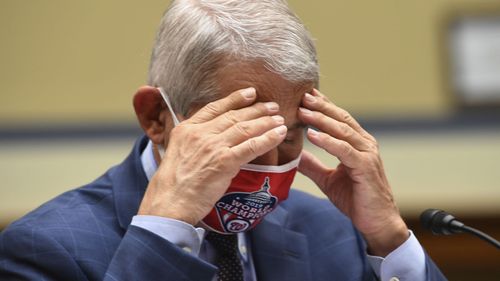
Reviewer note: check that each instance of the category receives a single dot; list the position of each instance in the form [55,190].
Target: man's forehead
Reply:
[269,85]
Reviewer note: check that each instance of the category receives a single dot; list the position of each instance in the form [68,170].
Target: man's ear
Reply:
[152,114]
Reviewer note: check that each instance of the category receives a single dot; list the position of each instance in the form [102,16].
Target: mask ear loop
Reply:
[169,105]
[161,149]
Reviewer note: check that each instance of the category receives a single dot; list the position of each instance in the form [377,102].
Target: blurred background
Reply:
[422,76]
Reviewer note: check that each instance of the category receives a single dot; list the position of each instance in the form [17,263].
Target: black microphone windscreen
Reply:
[440,222]
[427,216]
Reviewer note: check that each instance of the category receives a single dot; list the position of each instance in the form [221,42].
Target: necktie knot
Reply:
[224,244]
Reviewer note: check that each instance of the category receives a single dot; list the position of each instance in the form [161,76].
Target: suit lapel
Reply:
[279,253]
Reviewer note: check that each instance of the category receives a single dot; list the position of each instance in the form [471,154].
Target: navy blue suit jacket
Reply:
[85,234]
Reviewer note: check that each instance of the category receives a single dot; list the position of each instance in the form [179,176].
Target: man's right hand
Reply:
[206,151]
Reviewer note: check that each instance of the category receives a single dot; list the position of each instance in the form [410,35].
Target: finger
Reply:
[338,148]
[334,128]
[245,130]
[235,100]
[232,117]
[254,147]
[318,102]
[311,167]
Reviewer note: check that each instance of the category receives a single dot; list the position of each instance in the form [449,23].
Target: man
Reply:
[232,87]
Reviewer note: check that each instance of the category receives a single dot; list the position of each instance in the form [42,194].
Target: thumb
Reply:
[311,167]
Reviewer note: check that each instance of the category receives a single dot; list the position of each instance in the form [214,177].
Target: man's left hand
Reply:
[358,185]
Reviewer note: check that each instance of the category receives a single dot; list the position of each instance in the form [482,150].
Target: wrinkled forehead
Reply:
[269,85]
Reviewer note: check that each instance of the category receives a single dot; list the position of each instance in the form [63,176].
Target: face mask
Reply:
[253,193]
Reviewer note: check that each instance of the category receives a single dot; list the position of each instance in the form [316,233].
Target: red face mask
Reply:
[253,193]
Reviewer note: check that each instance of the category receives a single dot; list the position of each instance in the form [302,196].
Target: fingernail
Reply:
[305,111]
[248,93]
[281,130]
[310,98]
[312,132]
[272,106]
[279,119]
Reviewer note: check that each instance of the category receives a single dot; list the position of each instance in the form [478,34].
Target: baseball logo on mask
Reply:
[237,211]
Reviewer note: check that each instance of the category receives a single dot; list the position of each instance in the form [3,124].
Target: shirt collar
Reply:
[148,161]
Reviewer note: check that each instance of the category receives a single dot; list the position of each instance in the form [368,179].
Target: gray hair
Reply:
[197,37]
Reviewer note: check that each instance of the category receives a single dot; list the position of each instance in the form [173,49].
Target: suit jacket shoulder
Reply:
[85,234]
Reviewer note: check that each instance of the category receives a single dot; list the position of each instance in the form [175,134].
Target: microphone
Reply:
[440,222]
